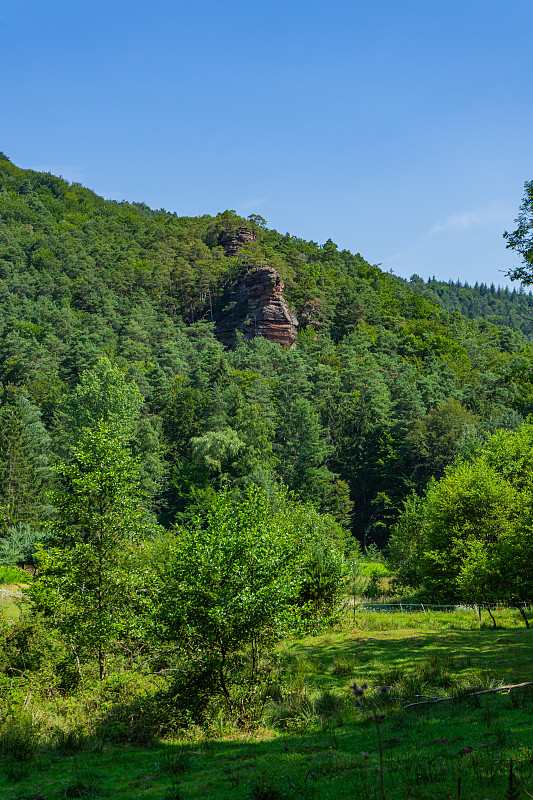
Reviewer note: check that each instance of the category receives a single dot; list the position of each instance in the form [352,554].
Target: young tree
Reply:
[470,535]
[85,583]
[480,580]
[103,395]
[230,583]
[18,546]
[515,553]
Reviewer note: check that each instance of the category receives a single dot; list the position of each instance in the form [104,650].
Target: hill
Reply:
[499,305]
[383,388]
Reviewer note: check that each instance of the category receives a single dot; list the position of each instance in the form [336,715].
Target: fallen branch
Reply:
[507,661]
[473,694]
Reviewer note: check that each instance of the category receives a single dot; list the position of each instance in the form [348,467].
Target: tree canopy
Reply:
[107,310]
[470,535]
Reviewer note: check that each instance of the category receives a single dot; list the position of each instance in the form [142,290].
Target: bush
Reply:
[19,738]
[330,706]
[31,649]
[133,708]
[373,587]
[232,585]
[371,569]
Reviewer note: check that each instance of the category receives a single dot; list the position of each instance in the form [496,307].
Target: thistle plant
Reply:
[377,718]
[513,792]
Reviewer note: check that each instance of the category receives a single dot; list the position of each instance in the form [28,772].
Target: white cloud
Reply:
[456,222]
[467,244]
[490,218]
[486,217]
[401,254]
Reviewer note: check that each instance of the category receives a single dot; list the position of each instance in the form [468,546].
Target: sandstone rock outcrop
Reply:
[256,304]
[232,241]
[257,308]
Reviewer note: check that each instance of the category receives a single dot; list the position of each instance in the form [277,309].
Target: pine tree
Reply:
[24,469]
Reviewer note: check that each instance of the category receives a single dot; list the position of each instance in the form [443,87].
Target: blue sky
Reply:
[400,129]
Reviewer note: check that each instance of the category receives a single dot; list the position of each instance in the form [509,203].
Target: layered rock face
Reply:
[256,303]
[232,241]
[257,308]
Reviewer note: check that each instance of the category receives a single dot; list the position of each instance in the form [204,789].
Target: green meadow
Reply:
[10,600]
[313,742]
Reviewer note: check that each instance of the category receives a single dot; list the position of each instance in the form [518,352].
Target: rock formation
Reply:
[232,241]
[256,303]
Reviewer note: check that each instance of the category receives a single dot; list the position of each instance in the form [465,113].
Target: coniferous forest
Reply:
[389,380]
[185,490]
[501,306]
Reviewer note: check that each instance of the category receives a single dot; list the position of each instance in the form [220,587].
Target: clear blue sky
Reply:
[399,128]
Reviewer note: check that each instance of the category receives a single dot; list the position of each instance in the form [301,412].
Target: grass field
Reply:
[315,744]
[9,597]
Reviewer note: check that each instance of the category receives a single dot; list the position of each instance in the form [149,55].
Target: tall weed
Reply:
[19,738]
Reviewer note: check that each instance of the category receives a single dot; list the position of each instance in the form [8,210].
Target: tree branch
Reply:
[473,694]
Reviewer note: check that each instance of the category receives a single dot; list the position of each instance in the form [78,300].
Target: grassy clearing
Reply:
[13,575]
[10,595]
[314,743]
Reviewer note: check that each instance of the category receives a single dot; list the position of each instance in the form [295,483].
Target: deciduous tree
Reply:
[85,583]
[231,582]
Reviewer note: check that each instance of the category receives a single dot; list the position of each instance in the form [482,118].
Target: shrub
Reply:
[232,584]
[31,649]
[133,708]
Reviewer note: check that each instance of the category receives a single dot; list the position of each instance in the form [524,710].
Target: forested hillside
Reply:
[501,306]
[110,308]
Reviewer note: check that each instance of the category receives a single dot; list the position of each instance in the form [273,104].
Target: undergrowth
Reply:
[119,738]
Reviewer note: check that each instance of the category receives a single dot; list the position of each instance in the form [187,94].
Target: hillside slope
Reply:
[381,391]
[499,305]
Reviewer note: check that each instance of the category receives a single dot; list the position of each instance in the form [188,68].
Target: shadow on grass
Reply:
[423,756]
[506,653]
[424,749]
